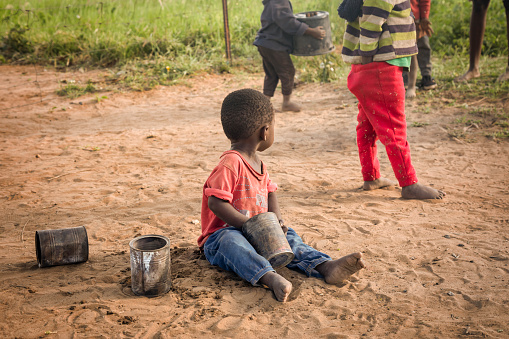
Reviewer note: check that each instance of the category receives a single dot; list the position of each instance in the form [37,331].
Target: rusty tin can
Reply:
[150,265]
[265,234]
[61,246]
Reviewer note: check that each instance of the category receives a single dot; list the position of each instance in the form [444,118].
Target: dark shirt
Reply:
[279,25]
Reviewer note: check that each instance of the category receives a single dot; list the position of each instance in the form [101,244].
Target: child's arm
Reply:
[274,207]
[226,212]
[424,8]
[317,32]
[283,17]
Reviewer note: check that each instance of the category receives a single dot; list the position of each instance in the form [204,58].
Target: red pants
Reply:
[379,88]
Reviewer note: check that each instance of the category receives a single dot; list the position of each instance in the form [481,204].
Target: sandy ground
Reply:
[134,164]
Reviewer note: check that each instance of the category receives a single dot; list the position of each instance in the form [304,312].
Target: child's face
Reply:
[270,137]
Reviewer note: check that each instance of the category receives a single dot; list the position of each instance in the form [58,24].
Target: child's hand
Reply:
[283,227]
[317,32]
[426,27]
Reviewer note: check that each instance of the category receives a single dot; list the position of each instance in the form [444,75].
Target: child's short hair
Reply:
[243,112]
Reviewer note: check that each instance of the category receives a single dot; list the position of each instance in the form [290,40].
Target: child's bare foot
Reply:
[279,285]
[505,76]
[410,93]
[469,75]
[336,271]
[378,183]
[418,191]
[291,106]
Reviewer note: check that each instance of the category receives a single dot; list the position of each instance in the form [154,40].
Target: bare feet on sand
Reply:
[469,75]
[336,271]
[418,191]
[279,285]
[505,76]
[291,107]
[378,183]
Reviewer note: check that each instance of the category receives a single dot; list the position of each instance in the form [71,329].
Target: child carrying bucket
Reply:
[275,43]
[239,188]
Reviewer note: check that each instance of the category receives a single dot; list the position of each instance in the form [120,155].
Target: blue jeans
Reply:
[230,250]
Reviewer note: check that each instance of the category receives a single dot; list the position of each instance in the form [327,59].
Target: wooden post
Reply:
[226,31]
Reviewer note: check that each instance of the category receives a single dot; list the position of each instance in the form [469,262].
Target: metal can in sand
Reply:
[306,45]
[61,246]
[150,265]
[265,234]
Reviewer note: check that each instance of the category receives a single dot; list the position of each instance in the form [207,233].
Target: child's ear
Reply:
[264,132]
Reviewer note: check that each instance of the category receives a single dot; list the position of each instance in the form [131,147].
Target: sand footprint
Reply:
[228,323]
[89,314]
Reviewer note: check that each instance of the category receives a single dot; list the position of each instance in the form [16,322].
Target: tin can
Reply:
[61,246]
[150,265]
[265,234]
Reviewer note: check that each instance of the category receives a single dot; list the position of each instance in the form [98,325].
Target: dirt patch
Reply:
[127,164]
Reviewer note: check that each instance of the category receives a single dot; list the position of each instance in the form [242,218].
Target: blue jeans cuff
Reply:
[309,267]
[259,275]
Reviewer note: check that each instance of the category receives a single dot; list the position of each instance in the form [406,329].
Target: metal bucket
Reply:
[306,45]
[61,247]
[265,234]
[150,265]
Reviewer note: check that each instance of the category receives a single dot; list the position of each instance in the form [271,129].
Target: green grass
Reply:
[162,42]
[73,91]
[479,103]
[419,124]
[446,68]
[145,37]
[111,32]
[504,134]
[451,22]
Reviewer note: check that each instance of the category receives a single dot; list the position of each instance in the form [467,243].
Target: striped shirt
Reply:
[385,31]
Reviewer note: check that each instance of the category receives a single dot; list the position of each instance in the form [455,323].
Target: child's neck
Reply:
[250,154]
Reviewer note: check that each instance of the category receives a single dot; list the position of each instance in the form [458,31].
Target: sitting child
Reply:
[239,188]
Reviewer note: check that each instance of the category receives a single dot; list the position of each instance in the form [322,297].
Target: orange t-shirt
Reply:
[235,181]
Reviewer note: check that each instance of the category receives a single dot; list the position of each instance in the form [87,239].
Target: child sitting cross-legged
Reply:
[239,188]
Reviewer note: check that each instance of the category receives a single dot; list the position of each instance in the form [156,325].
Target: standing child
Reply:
[420,10]
[379,41]
[275,43]
[239,188]
[476,36]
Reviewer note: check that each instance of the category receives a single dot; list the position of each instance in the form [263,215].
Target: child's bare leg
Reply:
[336,271]
[378,183]
[504,76]
[477,27]
[279,285]
[289,105]
[472,73]
[412,78]
[270,98]
[418,191]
